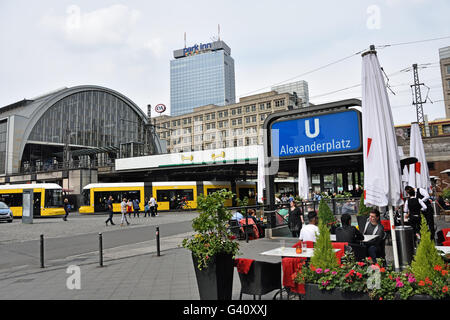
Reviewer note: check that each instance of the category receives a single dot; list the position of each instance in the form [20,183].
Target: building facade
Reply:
[211,126]
[298,88]
[201,75]
[444,58]
[82,128]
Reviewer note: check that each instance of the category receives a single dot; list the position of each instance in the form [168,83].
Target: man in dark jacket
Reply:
[66,208]
[374,227]
[347,232]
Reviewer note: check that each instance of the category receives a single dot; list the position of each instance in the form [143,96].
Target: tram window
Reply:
[53,198]
[212,190]
[86,197]
[163,195]
[12,199]
[246,192]
[131,195]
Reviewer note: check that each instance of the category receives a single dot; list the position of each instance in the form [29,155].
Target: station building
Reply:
[68,135]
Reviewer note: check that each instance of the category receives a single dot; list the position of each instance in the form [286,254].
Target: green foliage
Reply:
[324,256]
[446,194]
[325,214]
[212,235]
[363,210]
[426,257]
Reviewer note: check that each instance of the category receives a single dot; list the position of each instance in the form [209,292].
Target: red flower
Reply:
[421,283]
[361,263]
[381,298]
[383,270]
[444,272]
[438,268]
[359,275]
[390,277]
[444,289]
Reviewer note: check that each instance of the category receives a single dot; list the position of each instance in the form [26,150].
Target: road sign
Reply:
[160,108]
[322,134]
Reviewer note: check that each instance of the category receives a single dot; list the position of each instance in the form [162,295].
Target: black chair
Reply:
[359,251]
[262,278]
[440,237]
[235,228]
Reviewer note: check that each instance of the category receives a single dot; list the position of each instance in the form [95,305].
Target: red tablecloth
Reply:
[243,265]
[290,266]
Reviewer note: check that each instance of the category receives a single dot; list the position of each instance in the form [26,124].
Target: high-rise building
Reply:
[299,88]
[201,75]
[444,58]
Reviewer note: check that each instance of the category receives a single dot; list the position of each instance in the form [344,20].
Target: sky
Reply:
[127,46]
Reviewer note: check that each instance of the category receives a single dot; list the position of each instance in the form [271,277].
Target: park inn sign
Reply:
[330,133]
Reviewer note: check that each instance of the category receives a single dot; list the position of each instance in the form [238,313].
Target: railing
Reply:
[75,164]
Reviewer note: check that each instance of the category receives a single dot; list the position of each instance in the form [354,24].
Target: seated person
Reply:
[252,215]
[374,227]
[237,216]
[348,207]
[309,231]
[348,233]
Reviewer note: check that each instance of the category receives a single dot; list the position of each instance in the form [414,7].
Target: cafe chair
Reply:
[446,243]
[387,229]
[359,251]
[440,237]
[235,228]
[290,266]
[309,244]
[262,278]
[340,253]
[445,231]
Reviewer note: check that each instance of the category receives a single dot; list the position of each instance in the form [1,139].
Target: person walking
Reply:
[146,208]
[152,204]
[413,208]
[295,219]
[123,207]
[66,208]
[136,208]
[129,208]
[423,195]
[109,205]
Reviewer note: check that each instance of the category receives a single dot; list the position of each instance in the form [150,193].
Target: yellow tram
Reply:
[47,198]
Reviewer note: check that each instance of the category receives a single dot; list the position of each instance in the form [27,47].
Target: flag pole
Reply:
[394,239]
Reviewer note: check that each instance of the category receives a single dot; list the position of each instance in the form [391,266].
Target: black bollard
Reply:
[158,251]
[42,251]
[100,247]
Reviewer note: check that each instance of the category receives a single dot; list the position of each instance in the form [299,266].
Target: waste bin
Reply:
[405,244]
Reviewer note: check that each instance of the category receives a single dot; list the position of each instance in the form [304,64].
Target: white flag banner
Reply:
[382,175]
[261,174]
[419,176]
[303,181]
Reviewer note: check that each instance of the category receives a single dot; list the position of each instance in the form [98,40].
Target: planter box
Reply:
[312,292]
[421,297]
[216,281]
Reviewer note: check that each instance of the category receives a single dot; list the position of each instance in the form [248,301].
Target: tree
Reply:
[426,257]
[325,214]
[324,256]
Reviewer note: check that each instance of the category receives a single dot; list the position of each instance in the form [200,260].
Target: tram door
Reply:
[37,204]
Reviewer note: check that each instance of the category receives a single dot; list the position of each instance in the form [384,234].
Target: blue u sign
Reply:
[323,134]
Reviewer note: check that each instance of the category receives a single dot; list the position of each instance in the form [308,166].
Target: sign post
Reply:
[27,211]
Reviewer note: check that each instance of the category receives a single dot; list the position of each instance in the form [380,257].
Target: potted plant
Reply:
[326,216]
[362,215]
[212,247]
[325,279]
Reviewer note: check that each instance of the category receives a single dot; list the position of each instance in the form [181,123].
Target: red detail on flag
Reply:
[417,167]
[369,143]
[364,194]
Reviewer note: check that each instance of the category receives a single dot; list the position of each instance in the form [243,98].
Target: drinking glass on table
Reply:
[304,247]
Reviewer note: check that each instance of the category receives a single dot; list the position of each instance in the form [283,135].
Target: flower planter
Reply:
[312,292]
[421,297]
[216,281]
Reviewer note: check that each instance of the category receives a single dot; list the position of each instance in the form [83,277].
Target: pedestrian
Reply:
[123,209]
[136,208]
[413,209]
[152,204]
[129,208]
[423,195]
[109,204]
[295,219]
[146,208]
[66,208]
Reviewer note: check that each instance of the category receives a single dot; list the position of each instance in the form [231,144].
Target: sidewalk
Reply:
[131,272]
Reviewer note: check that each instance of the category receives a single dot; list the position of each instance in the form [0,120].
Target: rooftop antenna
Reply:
[218,27]
[185,40]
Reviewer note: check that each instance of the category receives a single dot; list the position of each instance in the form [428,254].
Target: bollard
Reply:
[42,251]
[158,251]
[100,247]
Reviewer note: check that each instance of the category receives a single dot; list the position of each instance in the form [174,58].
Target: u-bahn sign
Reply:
[322,134]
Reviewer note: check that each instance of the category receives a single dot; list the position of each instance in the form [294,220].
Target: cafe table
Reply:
[367,237]
[445,249]
[291,252]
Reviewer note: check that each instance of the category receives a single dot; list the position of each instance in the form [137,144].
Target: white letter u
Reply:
[316,129]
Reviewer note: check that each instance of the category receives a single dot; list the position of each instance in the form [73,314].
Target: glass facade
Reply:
[3,134]
[202,79]
[93,119]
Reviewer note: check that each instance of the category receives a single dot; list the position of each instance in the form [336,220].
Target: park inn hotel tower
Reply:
[201,75]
